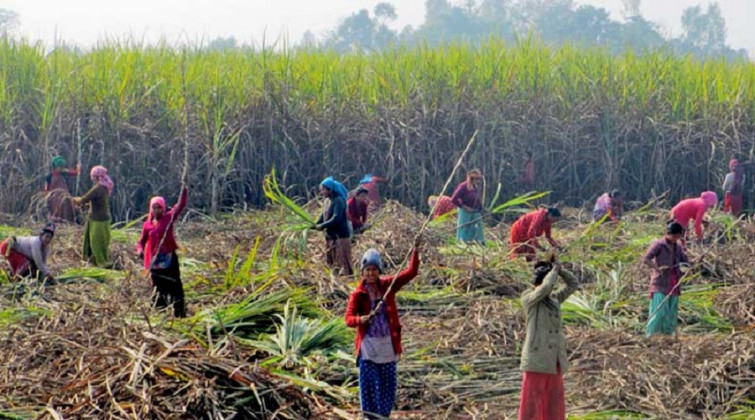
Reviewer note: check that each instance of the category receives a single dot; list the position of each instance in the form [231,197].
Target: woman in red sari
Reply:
[734,188]
[59,204]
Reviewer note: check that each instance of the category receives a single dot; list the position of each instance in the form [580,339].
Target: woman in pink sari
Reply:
[157,246]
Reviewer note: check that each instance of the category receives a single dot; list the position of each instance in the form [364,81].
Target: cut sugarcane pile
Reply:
[698,376]
[75,365]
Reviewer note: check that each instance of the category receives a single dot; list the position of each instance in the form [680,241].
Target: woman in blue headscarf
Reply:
[335,223]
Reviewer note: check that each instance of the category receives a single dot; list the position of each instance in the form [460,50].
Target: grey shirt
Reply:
[729,182]
[32,248]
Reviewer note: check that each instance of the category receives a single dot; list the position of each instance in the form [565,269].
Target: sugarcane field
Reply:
[374,223]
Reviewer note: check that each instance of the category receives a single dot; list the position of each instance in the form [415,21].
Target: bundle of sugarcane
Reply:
[276,196]
[92,273]
[521,200]
[252,316]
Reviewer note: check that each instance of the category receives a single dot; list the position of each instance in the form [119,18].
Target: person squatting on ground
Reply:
[467,198]
[665,256]
[356,210]
[378,338]
[162,262]
[734,188]
[544,352]
[59,204]
[27,255]
[694,208]
[97,229]
[525,231]
[335,223]
[610,204]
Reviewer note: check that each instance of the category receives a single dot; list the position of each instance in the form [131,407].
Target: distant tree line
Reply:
[555,22]
[8,22]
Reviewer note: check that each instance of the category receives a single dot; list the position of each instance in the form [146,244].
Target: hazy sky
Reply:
[83,22]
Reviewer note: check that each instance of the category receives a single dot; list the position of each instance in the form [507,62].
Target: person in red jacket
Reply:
[356,211]
[378,341]
[157,246]
[524,232]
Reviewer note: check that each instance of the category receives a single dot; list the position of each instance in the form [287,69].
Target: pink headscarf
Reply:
[155,200]
[709,198]
[100,176]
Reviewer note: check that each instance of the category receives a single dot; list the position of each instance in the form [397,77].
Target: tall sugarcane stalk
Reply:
[274,194]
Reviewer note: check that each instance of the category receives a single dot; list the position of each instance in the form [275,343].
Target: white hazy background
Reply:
[85,22]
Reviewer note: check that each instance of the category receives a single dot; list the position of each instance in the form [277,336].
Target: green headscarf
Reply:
[59,162]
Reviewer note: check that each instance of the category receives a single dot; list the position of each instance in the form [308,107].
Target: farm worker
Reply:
[694,208]
[527,175]
[97,228]
[467,199]
[444,202]
[27,255]
[335,223]
[374,314]
[544,352]
[370,183]
[734,188]
[59,204]
[665,256]
[525,231]
[356,211]
[609,203]
[157,246]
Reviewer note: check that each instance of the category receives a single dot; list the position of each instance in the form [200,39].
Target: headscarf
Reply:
[709,198]
[155,200]
[48,228]
[366,180]
[336,187]
[474,174]
[100,176]
[542,268]
[738,172]
[59,162]
[372,257]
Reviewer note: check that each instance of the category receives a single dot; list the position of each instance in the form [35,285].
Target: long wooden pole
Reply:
[427,221]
